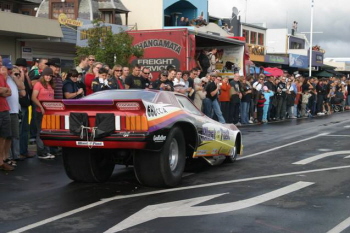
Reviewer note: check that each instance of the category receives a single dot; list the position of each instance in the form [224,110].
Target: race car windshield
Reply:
[122,95]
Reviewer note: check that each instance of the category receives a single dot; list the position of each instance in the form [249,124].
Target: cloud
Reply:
[330,18]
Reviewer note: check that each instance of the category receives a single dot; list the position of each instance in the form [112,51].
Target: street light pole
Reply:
[311,35]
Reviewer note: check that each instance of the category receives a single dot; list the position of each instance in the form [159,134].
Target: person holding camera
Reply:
[211,103]
[163,83]
[101,82]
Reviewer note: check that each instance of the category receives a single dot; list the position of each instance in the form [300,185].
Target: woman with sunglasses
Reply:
[116,80]
[42,90]
[70,87]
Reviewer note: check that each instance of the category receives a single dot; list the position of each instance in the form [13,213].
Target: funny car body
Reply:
[157,132]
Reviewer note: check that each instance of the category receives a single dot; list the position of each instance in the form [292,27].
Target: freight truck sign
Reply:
[161,49]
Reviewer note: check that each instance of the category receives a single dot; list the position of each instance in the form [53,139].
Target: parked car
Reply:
[158,132]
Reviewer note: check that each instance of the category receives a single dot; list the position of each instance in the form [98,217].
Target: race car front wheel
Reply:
[163,168]
[87,165]
[233,155]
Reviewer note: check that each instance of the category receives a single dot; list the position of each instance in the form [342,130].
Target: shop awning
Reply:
[23,26]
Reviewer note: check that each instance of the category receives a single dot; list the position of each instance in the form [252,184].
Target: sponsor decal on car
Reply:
[85,143]
[159,138]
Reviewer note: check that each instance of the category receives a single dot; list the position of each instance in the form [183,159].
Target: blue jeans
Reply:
[207,107]
[266,109]
[41,149]
[245,112]
[23,132]
[216,107]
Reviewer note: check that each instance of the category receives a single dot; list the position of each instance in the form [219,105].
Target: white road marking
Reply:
[103,201]
[320,156]
[347,157]
[331,135]
[279,147]
[186,207]
[347,126]
[341,226]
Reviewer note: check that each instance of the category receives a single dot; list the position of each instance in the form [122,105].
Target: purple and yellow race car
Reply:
[157,132]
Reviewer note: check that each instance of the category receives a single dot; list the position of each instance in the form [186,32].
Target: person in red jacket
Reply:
[224,98]
[91,75]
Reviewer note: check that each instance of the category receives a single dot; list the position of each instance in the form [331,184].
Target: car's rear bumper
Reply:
[123,140]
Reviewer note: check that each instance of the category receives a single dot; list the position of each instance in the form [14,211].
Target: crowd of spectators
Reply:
[241,100]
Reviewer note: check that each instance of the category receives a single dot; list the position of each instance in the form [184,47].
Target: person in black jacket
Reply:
[100,83]
[281,96]
[70,88]
[163,83]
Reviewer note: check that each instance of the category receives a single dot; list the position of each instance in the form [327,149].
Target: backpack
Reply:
[204,61]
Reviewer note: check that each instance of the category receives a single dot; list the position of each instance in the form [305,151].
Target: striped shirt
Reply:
[57,80]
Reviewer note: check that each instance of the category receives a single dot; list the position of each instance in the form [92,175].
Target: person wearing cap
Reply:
[267,94]
[43,90]
[163,83]
[5,120]
[25,102]
[211,103]
[55,65]
[134,81]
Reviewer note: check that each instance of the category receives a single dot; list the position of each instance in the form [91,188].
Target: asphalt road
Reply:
[293,177]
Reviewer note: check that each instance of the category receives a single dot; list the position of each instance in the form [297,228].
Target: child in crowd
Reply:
[260,107]
[304,102]
[267,95]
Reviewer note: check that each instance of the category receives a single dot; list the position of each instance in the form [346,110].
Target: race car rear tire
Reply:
[163,168]
[233,156]
[87,165]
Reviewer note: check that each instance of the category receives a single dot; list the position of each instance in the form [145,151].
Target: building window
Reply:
[4,6]
[260,39]
[68,7]
[108,17]
[246,35]
[253,37]
[295,45]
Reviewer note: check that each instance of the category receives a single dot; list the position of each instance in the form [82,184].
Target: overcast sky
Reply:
[332,17]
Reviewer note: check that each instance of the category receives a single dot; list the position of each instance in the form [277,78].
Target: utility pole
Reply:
[311,35]
[246,11]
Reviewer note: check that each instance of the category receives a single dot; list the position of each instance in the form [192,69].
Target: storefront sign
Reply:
[63,19]
[276,59]
[299,61]
[157,64]
[87,29]
[27,53]
[317,58]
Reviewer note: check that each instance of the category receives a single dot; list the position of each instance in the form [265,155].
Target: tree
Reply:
[109,48]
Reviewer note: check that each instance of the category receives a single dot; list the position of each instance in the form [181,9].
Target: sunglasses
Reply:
[17,74]
[118,70]
[146,73]
[91,59]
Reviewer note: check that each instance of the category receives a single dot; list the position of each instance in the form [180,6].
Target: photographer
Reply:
[100,83]
[163,83]
[211,103]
